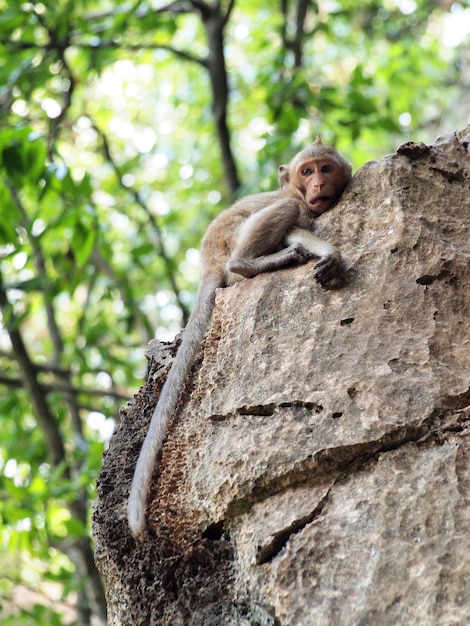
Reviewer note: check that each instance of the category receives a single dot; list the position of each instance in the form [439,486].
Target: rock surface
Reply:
[318,470]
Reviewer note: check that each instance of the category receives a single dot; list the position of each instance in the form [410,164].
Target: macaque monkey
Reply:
[259,233]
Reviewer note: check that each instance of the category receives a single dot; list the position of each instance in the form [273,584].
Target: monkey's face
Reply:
[321,182]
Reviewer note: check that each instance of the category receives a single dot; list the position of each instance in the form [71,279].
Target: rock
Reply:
[317,472]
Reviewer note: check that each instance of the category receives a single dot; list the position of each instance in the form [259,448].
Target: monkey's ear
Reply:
[283,176]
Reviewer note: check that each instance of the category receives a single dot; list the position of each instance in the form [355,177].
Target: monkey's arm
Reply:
[330,265]
[248,268]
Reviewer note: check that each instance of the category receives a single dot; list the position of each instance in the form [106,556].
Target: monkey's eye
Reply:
[306,171]
[327,168]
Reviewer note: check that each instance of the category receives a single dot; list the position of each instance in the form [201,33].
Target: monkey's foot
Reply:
[296,253]
[327,268]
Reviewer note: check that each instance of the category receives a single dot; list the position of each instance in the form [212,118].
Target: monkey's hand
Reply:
[327,268]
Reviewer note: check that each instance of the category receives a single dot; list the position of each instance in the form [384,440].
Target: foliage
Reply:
[125,127]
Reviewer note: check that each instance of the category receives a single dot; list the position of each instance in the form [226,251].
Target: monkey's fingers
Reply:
[326,269]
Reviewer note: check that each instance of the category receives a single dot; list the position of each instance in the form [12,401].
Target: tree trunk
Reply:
[317,471]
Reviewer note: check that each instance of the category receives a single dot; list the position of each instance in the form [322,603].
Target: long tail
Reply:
[192,339]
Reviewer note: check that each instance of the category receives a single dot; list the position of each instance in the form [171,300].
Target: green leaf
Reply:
[82,243]
[13,161]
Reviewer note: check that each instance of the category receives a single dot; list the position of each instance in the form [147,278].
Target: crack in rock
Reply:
[456,422]
[270,550]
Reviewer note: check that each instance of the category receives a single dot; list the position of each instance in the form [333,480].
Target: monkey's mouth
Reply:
[319,202]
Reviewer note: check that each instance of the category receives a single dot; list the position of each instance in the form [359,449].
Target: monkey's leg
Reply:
[313,244]
[260,237]
[330,265]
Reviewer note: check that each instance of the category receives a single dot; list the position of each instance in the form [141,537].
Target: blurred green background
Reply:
[125,128]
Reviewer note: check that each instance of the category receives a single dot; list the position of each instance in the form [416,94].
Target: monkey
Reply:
[259,233]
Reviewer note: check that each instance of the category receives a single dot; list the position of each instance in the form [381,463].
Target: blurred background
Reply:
[125,128]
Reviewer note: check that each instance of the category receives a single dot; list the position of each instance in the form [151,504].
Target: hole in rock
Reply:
[426,279]
[214,531]
[259,409]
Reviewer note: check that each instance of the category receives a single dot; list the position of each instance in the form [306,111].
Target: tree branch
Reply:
[152,221]
[228,12]
[17,383]
[214,24]
[108,45]
[52,435]
[54,330]
[41,268]
[296,42]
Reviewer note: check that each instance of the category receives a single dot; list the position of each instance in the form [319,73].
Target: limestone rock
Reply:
[318,470]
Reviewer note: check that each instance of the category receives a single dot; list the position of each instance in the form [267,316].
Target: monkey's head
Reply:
[317,175]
